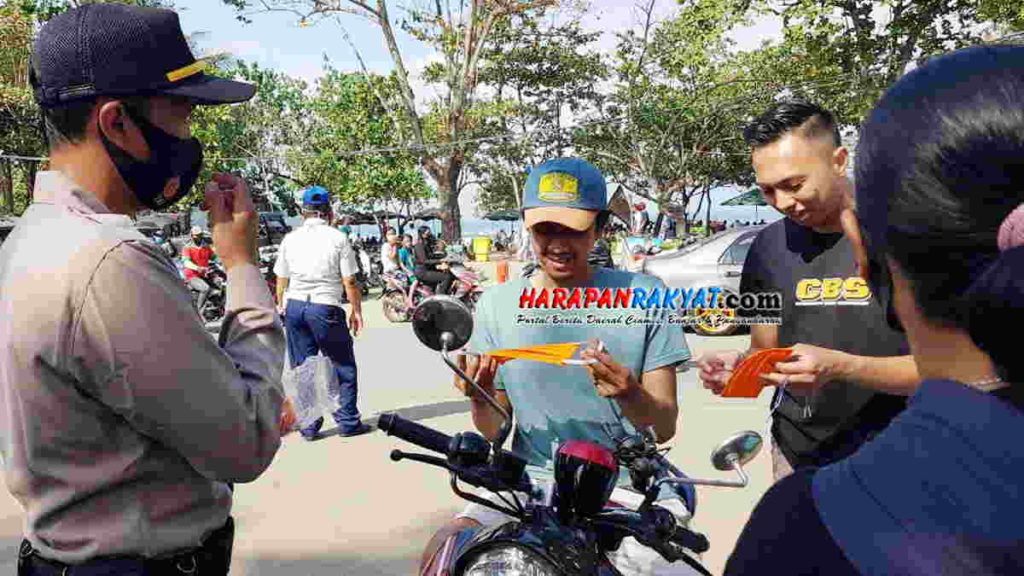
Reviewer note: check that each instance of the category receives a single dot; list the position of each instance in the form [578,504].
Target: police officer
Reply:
[316,267]
[122,422]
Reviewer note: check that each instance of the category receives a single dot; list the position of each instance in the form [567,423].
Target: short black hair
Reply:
[69,123]
[791,116]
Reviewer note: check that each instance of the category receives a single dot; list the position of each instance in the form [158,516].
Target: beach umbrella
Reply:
[750,198]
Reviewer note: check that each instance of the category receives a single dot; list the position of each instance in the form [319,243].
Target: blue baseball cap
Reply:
[566,191]
[316,196]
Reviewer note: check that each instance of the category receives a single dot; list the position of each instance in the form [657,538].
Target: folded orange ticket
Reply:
[746,378]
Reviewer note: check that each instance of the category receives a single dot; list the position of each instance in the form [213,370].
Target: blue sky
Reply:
[275,40]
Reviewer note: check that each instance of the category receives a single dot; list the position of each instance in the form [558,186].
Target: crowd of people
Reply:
[894,423]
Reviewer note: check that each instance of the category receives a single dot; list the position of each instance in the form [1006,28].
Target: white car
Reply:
[714,262]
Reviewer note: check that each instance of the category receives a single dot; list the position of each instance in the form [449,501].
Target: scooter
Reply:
[401,297]
[468,285]
[564,528]
[213,308]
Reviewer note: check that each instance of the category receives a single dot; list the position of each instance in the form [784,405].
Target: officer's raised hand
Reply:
[233,220]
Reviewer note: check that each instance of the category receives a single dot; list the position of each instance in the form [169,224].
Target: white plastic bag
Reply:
[312,387]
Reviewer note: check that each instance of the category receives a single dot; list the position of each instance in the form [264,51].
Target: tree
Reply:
[349,113]
[537,74]
[460,35]
[252,138]
[669,132]
[848,52]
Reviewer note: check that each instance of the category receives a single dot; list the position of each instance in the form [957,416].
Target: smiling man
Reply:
[845,381]
[633,382]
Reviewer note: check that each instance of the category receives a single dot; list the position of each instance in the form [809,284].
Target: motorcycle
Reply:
[268,257]
[468,285]
[213,307]
[567,527]
[401,297]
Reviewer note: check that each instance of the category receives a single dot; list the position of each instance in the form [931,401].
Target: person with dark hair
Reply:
[850,372]
[123,423]
[632,383]
[316,268]
[430,270]
[940,219]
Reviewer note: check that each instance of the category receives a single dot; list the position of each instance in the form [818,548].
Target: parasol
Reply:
[750,198]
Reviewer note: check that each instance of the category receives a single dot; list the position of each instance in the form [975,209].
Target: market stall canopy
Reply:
[619,205]
[428,214]
[503,215]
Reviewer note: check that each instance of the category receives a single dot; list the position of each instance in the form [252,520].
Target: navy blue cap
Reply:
[316,196]
[567,191]
[122,51]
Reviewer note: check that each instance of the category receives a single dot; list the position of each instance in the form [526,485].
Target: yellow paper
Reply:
[550,353]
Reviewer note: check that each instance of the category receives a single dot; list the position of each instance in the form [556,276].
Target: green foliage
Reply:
[348,113]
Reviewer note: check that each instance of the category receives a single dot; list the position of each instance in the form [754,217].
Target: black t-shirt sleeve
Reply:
[785,535]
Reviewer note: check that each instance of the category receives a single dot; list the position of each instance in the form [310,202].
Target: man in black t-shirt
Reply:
[850,371]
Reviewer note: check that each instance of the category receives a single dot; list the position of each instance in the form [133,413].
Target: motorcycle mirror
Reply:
[738,449]
[442,323]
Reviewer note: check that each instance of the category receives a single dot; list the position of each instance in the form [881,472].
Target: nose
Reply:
[784,202]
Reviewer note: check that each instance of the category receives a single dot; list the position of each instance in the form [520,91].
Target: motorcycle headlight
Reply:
[509,561]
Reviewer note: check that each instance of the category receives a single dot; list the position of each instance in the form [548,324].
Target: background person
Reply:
[123,422]
[196,257]
[940,204]
[430,270]
[849,370]
[315,267]
[389,253]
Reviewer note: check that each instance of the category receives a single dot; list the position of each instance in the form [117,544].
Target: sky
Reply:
[276,40]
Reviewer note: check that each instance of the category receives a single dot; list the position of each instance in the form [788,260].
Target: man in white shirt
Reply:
[316,267]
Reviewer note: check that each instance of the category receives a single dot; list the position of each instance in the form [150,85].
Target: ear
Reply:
[118,127]
[840,160]
[851,228]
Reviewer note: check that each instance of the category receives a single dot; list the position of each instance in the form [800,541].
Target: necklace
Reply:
[988,385]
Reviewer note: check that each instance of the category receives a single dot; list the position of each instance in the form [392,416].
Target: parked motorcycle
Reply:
[567,527]
[268,257]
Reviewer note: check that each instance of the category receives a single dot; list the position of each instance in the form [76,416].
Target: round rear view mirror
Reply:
[740,448]
[442,323]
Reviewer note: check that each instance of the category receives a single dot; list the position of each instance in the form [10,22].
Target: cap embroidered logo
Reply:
[558,187]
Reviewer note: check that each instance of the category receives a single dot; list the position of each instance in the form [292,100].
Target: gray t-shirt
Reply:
[552,403]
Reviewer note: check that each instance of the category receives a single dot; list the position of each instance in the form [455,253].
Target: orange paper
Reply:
[746,379]
[550,353]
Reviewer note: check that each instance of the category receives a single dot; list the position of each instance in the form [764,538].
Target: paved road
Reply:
[339,506]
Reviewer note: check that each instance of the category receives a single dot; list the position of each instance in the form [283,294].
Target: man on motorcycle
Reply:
[197,256]
[430,270]
[631,384]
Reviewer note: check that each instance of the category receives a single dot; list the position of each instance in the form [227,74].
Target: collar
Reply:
[56,188]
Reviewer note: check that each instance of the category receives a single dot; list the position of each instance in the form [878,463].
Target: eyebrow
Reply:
[780,183]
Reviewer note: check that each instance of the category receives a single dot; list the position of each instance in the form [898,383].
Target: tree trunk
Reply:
[447,180]
[707,219]
[31,168]
[7,187]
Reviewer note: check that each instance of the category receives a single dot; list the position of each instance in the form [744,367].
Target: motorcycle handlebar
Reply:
[422,436]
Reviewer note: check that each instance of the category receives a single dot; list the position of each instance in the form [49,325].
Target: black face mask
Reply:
[170,157]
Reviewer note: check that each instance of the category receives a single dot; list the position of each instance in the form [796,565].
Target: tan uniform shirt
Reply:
[121,418]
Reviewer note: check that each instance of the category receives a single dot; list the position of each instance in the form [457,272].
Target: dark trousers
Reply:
[314,328]
[213,558]
[441,282]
